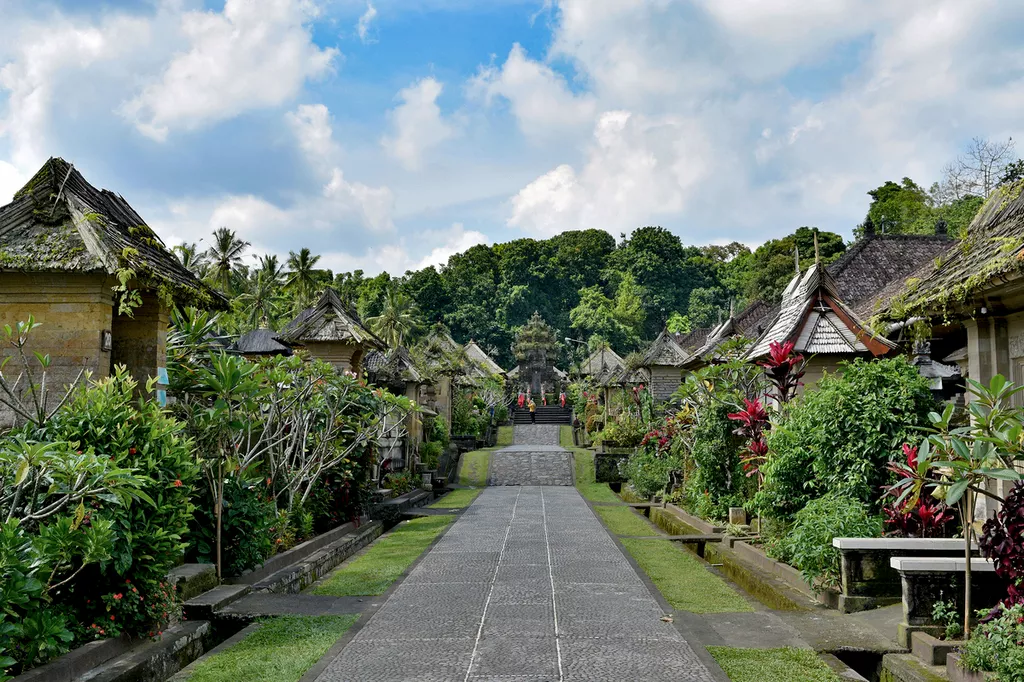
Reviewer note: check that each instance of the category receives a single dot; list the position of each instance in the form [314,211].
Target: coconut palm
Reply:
[303,276]
[192,258]
[262,300]
[398,319]
[225,257]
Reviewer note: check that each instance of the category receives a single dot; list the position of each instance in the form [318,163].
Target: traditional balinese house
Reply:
[972,297]
[331,332]
[441,353]
[484,365]
[259,343]
[664,361]
[748,324]
[395,371]
[96,278]
[691,341]
[821,326]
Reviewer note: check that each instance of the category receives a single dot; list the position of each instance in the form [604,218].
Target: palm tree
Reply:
[398,319]
[271,268]
[261,301]
[225,257]
[303,276]
[192,258]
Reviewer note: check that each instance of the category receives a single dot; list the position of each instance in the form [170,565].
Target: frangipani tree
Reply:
[957,463]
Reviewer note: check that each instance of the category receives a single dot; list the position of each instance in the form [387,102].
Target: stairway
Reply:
[551,414]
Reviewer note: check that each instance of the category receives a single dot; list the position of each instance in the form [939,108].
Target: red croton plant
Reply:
[783,368]
[1002,540]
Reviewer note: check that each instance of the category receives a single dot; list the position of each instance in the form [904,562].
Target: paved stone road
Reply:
[535,434]
[527,586]
[535,459]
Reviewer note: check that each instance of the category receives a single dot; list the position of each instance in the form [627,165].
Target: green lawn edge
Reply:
[456,499]
[772,665]
[281,650]
[505,436]
[473,468]
[586,477]
[624,521]
[372,571]
[683,579]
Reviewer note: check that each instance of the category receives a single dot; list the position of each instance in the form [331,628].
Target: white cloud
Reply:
[417,123]
[252,55]
[400,256]
[637,167]
[540,99]
[311,125]
[365,21]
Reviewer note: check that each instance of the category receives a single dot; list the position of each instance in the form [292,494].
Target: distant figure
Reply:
[521,400]
[544,399]
[533,411]
[561,399]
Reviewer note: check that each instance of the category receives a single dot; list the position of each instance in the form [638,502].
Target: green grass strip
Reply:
[281,650]
[683,579]
[565,436]
[598,492]
[772,665]
[473,468]
[457,499]
[505,436]
[372,571]
[624,521]
[586,472]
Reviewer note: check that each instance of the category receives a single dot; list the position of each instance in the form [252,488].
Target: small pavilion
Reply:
[664,361]
[332,333]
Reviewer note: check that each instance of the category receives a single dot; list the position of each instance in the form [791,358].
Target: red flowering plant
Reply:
[1002,540]
[133,611]
[784,369]
[754,422]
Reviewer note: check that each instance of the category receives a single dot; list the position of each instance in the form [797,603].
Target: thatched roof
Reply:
[481,358]
[328,320]
[992,252]
[394,365]
[665,352]
[260,342]
[58,222]
[600,363]
[814,317]
[750,324]
[693,340]
[877,266]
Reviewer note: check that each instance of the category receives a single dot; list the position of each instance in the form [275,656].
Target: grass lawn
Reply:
[473,468]
[772,665]
[281,650]
[505,436]
[457,499]
[683,579]
[565,436]
[372,571]
[623,521]
[598,492]
[586,475]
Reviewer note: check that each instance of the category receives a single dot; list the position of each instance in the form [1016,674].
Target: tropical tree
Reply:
[399,319]
[225,257]
[302,277]
[194,260]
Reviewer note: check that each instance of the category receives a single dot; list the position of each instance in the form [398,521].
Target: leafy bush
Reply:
[400,482]
[808,545]
[430,454]
[998,646]
[1002,540]
[839,437]
[648,471]
[248,521]
[718,481]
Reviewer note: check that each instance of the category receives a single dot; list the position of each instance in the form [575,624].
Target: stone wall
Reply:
[72,310]
[140,340]
[346,357]
[664,381]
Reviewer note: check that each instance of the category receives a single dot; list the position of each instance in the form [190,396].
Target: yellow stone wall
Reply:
[140,340]
[345,357]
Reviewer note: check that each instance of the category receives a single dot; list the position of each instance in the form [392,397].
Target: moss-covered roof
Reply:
[329,321]
[954,282]
[59,222]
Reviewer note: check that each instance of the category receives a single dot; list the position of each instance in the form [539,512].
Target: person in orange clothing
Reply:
[533,411]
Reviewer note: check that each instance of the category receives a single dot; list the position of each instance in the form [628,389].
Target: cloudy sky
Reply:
[387,135]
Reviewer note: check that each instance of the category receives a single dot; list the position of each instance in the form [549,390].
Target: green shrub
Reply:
[430,454]
[717,481]
[808,545]
[838,437]
[249,532]
[400,482]
[998,646]
[648,471]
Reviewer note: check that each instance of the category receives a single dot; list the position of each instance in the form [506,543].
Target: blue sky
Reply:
[392,133]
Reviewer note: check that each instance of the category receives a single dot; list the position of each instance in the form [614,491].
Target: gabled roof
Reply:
[693,340]
[665,352]
[58,222]
[814,317]
[750,323]
[992,250]
[328,320]
[395,364]
[260,342]
[876,266]
[479,356]
[601,362]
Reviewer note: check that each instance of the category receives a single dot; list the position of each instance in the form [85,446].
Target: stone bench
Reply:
[927,580]
[868,579]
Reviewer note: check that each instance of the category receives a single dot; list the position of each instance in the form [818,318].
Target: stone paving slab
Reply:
[536,434]
[546,595]
[515,467]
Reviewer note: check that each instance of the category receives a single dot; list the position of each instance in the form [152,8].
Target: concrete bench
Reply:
[927,580]
[868,579]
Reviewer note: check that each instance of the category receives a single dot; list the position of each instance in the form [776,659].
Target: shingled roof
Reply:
[58,222]
[954,282]
[814,317]
[750,323]
[481,358]
[260,342]
[693,340]
[328,320]
[877,266]
[393,365]
[664,352]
